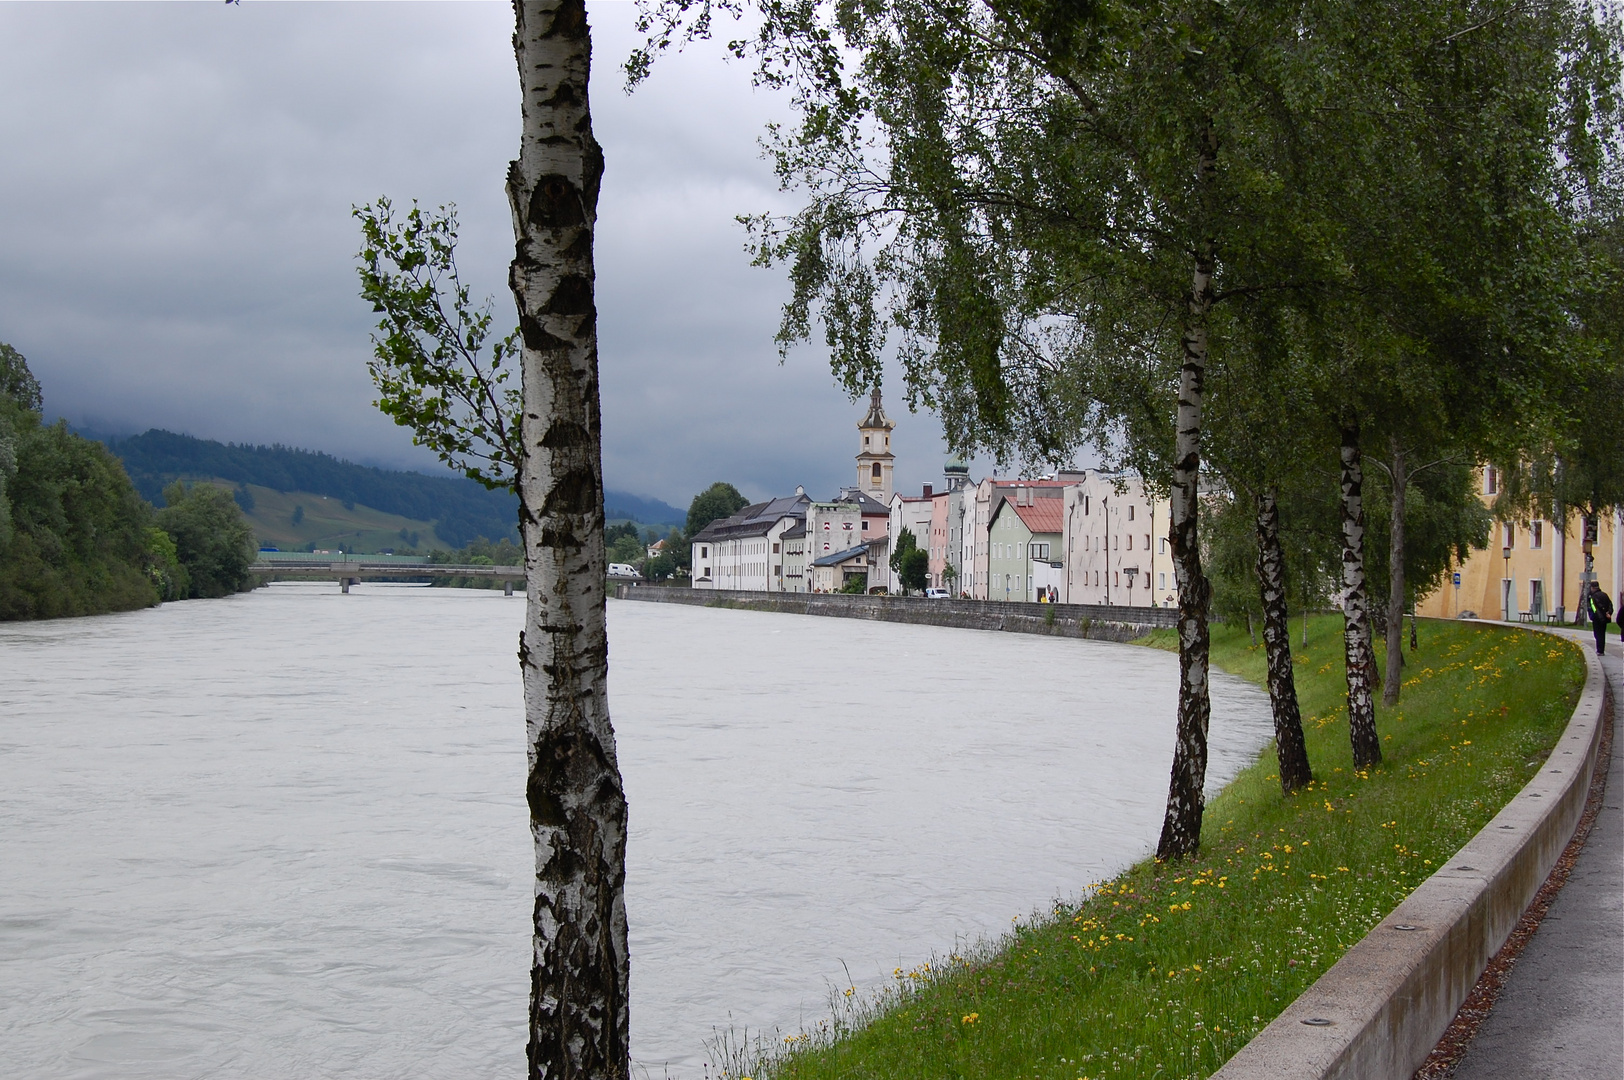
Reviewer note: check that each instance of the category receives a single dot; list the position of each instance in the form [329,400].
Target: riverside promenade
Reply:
[1560,1014]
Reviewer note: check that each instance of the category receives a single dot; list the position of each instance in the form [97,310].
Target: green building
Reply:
[1023,540]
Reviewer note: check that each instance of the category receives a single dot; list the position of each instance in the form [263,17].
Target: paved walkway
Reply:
[1561,1013]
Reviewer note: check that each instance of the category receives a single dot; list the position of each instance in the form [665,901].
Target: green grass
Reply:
[1168,969]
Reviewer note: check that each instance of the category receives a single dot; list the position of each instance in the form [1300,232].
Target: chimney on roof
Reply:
[927,491]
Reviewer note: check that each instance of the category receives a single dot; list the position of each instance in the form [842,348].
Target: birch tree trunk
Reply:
[1361,660]
[1186,799]
[1290,749]
[1394,672]
[578,975]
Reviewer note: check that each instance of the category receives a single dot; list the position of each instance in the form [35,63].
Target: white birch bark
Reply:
[1357,651]
[578,1006]
[1181,826]
[1290,748]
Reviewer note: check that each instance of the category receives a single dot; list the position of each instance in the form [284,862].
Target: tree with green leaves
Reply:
[434,374]
[902,546]
[17,382]
[1451,208]
[212,541]
[75,537]
[718,501]
[430,363]
[1045,203]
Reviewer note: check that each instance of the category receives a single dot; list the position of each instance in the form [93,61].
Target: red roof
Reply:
[1043,516]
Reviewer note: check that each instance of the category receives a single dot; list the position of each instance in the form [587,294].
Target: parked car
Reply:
[938,594]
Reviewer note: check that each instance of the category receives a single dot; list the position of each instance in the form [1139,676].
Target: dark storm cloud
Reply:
[175,194]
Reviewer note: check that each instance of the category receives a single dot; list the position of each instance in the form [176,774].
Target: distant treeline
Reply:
[461,510]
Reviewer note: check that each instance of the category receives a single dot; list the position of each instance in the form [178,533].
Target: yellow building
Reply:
[1531,569]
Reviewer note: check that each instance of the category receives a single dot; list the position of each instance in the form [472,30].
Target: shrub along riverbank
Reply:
[1167,970]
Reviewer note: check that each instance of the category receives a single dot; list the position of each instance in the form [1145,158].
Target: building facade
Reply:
[910,512]
[1115,544]
[980,502]
[1532,569]
[745,551]
[1024,541]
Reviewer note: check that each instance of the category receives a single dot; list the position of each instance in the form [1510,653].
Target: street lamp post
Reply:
[1505,585]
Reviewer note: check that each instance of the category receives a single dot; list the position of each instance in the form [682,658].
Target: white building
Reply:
[831,528]
[745,551]
[911,512]
[1115,541]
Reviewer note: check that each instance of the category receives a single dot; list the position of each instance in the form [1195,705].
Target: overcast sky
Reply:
[175,194]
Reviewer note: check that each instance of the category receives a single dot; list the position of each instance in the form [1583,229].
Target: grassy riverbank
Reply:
[1167,970]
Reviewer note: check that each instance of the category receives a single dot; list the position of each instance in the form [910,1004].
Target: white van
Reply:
[624,571]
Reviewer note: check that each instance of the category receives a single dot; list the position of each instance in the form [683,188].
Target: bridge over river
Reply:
[347,571]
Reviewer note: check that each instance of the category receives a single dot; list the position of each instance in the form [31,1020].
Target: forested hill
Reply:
[461,509]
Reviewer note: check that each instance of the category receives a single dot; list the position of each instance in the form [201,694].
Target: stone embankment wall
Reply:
[1055,620]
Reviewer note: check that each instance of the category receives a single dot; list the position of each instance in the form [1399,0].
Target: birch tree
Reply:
[1023,196]
[1481,128]
[545,442]
[579,1018]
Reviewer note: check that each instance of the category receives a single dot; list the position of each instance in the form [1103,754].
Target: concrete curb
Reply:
[1051,620]
[1378,1012]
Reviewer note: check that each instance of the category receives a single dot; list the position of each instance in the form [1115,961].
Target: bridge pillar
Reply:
[344,582]
[507,588]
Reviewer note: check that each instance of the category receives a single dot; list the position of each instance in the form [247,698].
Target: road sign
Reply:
[1457,579]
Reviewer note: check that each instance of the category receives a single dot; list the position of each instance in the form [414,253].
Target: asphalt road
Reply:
[1561,1013]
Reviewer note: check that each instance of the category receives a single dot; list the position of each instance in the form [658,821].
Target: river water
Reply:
[283,835]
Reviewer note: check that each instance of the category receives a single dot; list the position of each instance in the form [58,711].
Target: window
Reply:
[865,524]
[1161,581]
[865,442]
[704,552]
[1491,481]
[876,470]
[1130,511]
[1508,536]
[1130,541]
[1039,552]
[1536,537]
[1161,546]
[775,549]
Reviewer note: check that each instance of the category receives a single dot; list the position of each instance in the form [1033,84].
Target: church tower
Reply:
[874,459]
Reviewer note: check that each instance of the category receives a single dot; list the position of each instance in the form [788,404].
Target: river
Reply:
[283,835]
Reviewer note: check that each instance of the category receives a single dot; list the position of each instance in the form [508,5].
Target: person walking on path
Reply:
[1599,606]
